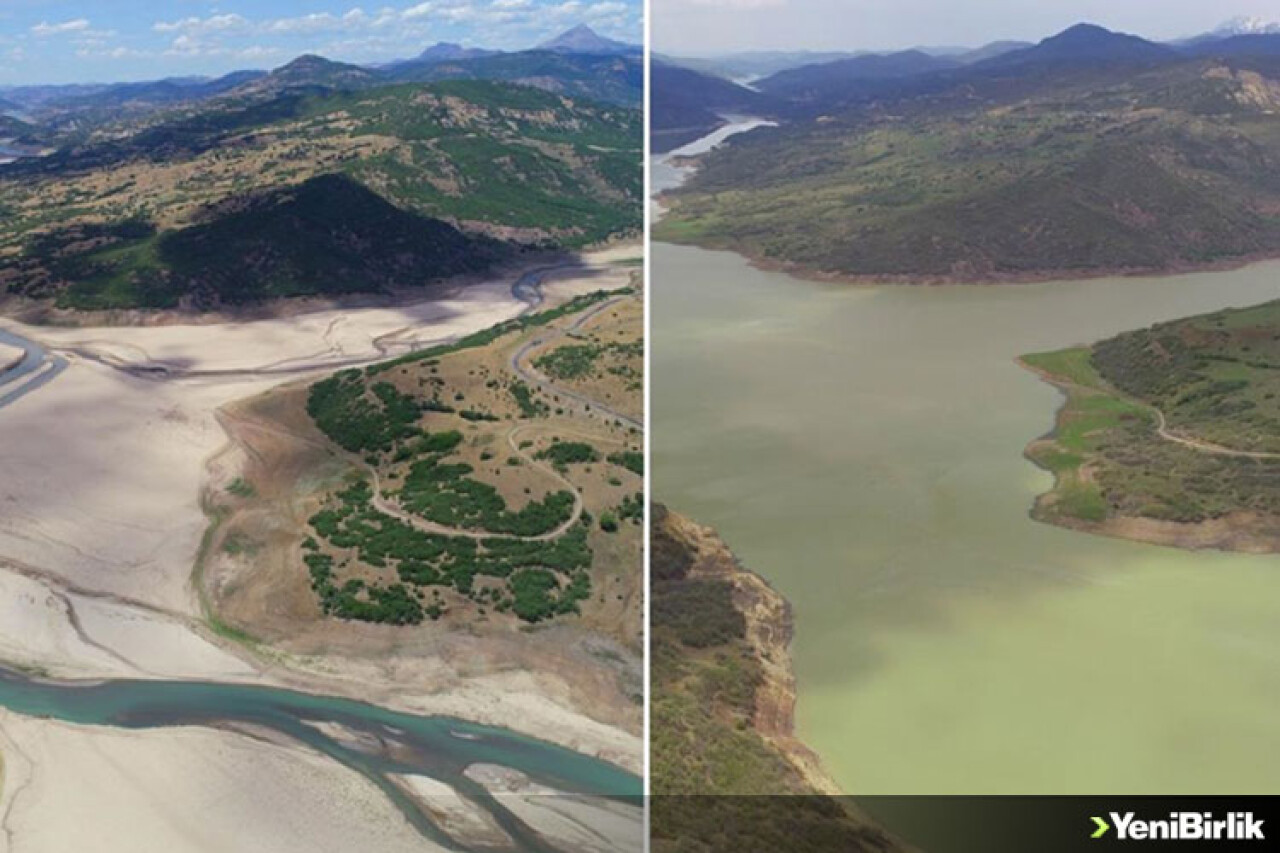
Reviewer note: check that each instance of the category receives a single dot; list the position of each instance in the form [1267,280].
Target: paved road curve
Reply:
[533,377]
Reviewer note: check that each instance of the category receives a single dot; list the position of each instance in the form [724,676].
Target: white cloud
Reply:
[204,26]
[44,28]
[321,22]
[112,53]
[192,47]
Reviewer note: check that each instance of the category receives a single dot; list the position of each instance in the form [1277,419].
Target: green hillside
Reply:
[494,161]
[994,173]
[326,236]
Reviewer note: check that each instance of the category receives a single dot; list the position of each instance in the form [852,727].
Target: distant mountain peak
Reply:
[305,61]
[583,39]
[580,31]
[311,70]
[1086,42]
[1084,29]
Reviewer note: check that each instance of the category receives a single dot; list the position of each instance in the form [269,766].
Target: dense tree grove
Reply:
[344,412]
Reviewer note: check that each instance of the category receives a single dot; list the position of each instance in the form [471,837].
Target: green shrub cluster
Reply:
[530,407]
[350,522]
[345,413]
[562,454]
[445,494]
[632,508]
[632,460]
[355,599]
[574,361]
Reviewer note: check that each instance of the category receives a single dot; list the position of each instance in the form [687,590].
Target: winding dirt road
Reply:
[1162,424]
[394,510]
[1162,428]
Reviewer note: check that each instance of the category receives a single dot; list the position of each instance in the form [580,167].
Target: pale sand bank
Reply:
[186,791]
[10,357]
[111,639]
[457,816]
[570,822]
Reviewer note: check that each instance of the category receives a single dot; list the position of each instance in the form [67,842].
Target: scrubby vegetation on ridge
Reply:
[546,579]
[1060,168]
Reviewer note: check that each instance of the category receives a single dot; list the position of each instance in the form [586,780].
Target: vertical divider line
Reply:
[648,410]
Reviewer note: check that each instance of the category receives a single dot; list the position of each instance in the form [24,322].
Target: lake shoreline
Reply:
[800,271]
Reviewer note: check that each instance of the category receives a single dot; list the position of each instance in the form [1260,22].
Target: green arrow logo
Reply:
[1102,828]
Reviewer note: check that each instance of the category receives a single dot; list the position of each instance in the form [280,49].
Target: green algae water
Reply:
[861,448]
[439,747]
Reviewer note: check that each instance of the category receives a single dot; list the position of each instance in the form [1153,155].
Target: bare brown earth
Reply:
[1247,533]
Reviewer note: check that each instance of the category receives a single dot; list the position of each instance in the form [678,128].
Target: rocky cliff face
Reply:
[684,549]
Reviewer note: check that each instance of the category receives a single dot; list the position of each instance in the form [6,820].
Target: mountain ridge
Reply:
[1092,153]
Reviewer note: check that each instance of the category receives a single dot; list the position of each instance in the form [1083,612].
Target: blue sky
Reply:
[707,27]
[61,41]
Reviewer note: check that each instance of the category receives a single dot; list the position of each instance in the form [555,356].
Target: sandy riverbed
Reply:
[184,790]
[582,824]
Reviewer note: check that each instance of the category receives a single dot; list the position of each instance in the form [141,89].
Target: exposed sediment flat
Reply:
[185,790]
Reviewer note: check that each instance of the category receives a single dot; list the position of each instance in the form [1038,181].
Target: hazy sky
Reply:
[705,27]
[58,41]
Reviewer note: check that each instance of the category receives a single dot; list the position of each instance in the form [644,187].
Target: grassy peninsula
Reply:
[1170,434]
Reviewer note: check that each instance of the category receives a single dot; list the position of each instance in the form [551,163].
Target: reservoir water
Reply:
[861,448]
